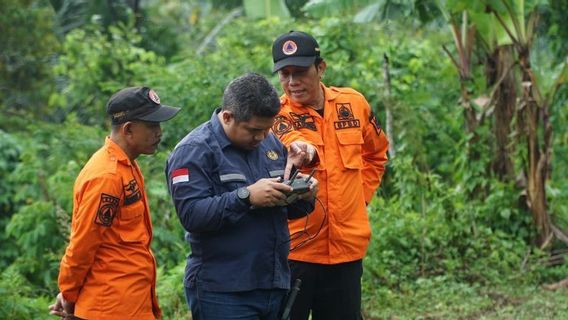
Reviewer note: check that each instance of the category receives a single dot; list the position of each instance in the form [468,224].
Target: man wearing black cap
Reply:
[348,148]
[108,270]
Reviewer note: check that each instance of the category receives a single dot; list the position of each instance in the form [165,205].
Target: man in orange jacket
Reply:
[108,270]
[349,150]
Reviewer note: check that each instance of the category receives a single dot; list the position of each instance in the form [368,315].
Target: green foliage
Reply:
[449,240]
[555,27]
[364,11]
[73,14]
[265,9]
[170,291]
[39,225]
[168,245]
[558,187]
[36,230]
[196,83]
[9,157]
[9,154]
[95,65]
[28,47]
[174,26]
[19,301]
[441,298]
[295,8]
[429,228]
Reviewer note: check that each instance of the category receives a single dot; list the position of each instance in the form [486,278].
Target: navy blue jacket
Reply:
[233,247]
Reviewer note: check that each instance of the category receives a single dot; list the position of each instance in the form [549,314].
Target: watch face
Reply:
[243,193]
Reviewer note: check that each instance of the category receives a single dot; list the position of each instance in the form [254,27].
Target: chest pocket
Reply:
[131,226]
[350,145]
[275,168]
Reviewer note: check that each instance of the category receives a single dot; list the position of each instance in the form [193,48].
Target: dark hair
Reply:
[318,61]
[251,95]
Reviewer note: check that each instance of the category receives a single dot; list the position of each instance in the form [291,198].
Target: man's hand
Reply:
[62,307]
[314,187]
[300,154]
[308,195]
[268,192]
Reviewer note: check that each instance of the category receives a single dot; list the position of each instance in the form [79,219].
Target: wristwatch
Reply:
[244,194]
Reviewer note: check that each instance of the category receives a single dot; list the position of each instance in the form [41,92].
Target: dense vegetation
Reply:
[455,228]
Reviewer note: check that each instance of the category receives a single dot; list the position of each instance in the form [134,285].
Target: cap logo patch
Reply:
[289,47]
[119,114]
[153,96]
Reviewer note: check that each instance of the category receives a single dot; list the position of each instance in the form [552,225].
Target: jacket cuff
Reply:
[70,296]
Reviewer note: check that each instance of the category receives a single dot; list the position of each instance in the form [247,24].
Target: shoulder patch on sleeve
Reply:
[108,206]
[281,125]
[180,175]
[375,122]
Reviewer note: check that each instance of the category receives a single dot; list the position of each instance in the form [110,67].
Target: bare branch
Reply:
[209,38]
[559,233]
[388,106]
[556,286]
[459,44]
[456,64]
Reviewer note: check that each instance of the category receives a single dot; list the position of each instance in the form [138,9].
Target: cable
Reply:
[299,234]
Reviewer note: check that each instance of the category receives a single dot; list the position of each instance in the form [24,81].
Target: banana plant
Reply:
[463,36]
[505,31]
[534,112]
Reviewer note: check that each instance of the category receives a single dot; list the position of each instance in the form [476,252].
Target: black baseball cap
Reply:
[294,48]
[138,103]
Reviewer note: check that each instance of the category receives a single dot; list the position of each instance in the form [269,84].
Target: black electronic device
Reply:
[299,185]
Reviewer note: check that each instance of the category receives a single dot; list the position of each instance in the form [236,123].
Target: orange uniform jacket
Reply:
[352,155]
[108,268]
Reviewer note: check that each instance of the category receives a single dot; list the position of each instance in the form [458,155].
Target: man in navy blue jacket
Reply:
[225,181]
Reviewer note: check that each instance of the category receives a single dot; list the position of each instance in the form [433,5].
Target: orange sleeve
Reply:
[375,146]
[95,207]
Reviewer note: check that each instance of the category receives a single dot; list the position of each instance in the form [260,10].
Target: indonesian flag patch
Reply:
[180,175]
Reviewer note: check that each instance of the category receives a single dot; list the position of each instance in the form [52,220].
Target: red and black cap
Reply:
[138,103]
[294,48]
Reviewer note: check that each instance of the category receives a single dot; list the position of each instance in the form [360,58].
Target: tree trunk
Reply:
[505,103]
[468,111]
[388,106]
[538,158]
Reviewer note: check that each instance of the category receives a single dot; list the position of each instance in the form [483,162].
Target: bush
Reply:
[19,301]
